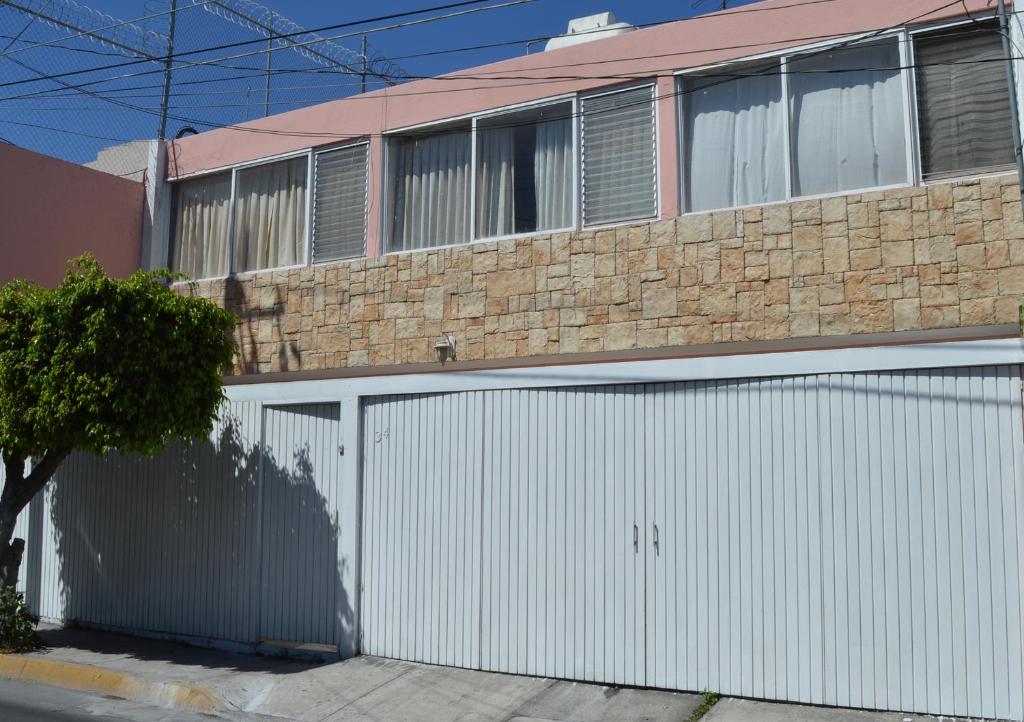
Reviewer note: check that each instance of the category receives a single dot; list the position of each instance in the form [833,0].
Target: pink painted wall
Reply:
[52,211]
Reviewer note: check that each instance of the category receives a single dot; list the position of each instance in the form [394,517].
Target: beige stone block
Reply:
[835,324]
[1007,310]
[944,295]
[651,338]
[515,282]
[804,324]
[906,314]
[719,300]
[971,257]
[863,215]
[978,312]
[780,264]
[806,238]
[472,305]
[978,284]
[833,210]
[620,336]
[732,264]
[433,303]
[724,225]
[695,228]
[837,255]
[808,211]
[604,265]
[807,263]
[776,291]
[897,253]
[936,249]
[865,259]
[659,303]
[777,219]
[804,300]
[968,233]
[997,254]
[756,273]
[896,225]
[940,196]
[864,238]
[1011,281]
[871,316]
[940,317]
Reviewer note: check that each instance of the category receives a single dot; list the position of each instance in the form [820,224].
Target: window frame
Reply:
[307,153]
[387,239]
[612,90]
[912,150]
[311,221]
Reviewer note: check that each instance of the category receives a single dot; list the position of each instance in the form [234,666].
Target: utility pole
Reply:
[270,64]
[365,66]
[168,65]
[1004,26]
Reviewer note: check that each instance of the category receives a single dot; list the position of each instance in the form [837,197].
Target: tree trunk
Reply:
[19,490]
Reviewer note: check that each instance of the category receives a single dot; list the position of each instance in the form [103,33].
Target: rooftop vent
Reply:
[591,27]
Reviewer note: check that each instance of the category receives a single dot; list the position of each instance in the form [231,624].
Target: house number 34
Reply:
[379,436]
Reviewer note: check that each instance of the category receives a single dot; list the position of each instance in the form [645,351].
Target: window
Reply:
[733,140]
[430,186]
[339,217]
[267,215]
[619,157]
[202,217]
[270,215]
[848,119]
[963,102]
[525,172]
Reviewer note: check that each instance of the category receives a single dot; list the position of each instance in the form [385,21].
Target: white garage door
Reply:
[844,539]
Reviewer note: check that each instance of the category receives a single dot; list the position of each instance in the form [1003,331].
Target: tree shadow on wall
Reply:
[252,314]
[190,543]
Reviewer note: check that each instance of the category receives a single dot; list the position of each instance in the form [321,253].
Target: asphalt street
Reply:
[31,702]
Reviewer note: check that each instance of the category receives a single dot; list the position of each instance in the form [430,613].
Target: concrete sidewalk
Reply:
[244,687]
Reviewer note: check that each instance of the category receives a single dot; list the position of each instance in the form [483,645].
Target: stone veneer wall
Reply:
[930,257]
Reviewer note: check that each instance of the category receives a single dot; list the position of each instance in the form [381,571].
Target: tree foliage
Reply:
[102,363]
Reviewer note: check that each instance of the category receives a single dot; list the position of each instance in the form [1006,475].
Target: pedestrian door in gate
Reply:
[300,486]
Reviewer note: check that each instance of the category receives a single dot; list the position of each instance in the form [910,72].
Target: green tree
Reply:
[100,364]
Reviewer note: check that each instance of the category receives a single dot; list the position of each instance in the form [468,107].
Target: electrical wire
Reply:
[726,77]
[392,94]
[65,130]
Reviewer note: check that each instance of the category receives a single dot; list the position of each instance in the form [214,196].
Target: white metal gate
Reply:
[842,539]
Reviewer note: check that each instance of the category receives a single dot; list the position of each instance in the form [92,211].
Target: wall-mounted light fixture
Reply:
[445,348]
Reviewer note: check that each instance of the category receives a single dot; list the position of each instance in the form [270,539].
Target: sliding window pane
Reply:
[270,215]
[963,102]
[734,138]
[848,116]
[202,213]
[429,190]
[525,172]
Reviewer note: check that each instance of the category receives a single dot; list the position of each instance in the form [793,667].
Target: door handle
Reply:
[657,549]
[636,538]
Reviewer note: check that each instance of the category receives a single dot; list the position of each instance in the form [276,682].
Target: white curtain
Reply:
[202,215]
[270,215]
[553,174]
[734,141]
[495,204]
[430,188]
[848,119]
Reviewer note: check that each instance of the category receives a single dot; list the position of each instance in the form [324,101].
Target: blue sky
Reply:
[74,126]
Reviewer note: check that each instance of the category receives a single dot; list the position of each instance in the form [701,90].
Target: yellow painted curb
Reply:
[105,681]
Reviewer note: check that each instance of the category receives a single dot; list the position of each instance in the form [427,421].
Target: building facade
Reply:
[733,398]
